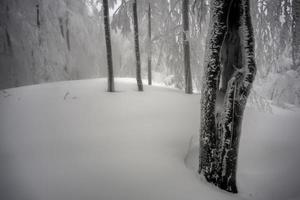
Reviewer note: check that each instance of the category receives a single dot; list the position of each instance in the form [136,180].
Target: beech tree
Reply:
[111,87]
[227,80]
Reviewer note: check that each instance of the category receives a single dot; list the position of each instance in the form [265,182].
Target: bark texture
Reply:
[111,87]
[149,47]
[227,83]
[186,47]
[296,34]
[208,134]
[137,47]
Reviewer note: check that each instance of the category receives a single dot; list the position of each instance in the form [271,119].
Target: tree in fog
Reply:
[186,47]
[296,34]
[108,47]
[149,47]
[137,47]
[227,80]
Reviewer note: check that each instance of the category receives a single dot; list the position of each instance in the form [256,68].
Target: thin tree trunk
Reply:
[137,47]
[38,23]
[149,47]
[186,47]
[223,102]
[110,75]
[68,32]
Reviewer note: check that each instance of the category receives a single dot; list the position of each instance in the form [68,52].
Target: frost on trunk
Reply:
[137,47]
[186,47]
[296,35]
[110,72]
[229,73]
[149,47]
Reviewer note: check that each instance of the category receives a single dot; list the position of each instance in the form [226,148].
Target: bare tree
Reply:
[227,80]
[108,47]
[137,47]
[149,47]
[186,47]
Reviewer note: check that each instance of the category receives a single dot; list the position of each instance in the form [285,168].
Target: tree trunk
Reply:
[296,34]
[227,83]
[68,32]
[137,47]
[38,23]
[149,47]
[111,87]
[208,134]
[186,47]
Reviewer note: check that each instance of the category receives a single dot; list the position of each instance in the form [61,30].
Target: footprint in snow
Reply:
[68,96]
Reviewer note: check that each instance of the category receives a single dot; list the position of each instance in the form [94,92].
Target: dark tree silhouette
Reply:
[137,47]
[111,87]
[38,23]
[149,47]
[186,47]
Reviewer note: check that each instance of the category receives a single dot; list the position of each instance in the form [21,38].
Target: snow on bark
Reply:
[220,130]
[208,136]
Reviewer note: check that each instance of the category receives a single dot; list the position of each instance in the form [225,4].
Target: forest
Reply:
[149,99]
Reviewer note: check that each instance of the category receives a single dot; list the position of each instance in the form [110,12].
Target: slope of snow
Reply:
[74,141]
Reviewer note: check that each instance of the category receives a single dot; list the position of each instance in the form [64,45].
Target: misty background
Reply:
[45,41]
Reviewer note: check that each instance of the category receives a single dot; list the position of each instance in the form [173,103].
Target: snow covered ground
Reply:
[74,141]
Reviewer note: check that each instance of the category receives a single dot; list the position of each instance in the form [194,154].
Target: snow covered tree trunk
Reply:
[111,87]
[227,84]
[137,47]
[208,161]
[296,34]
[149,47]
[186,47]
